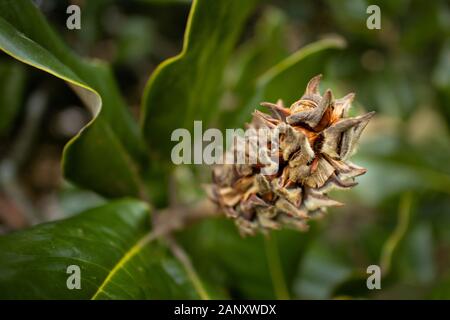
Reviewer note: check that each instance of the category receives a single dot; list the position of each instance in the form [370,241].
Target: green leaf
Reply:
[401,172]
[117,256]
[12,76]
[392,243]
[254,267]
[108,154]
[355,284]
[255,56]
[320,270]
[187,87]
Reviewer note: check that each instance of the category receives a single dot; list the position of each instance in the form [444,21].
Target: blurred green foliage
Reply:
[399,213]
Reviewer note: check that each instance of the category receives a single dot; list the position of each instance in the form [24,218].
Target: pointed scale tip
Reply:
[277,110]
[313,85]
[328,96]
[342,105]
[369,115]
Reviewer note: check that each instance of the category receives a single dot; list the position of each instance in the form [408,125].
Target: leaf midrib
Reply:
[136,248]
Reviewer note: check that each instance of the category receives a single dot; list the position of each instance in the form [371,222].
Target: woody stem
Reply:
[178,217]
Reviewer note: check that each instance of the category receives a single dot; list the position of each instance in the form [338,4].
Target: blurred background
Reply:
[398,216]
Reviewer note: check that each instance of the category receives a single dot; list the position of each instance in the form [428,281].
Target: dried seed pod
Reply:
[316,138]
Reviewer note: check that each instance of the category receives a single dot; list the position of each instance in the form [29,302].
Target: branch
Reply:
[179,217]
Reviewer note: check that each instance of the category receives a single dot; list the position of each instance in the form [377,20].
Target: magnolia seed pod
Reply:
[315,140]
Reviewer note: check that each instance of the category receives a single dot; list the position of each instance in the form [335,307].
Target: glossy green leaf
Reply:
[112,245]
[107,155]
[187,87]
